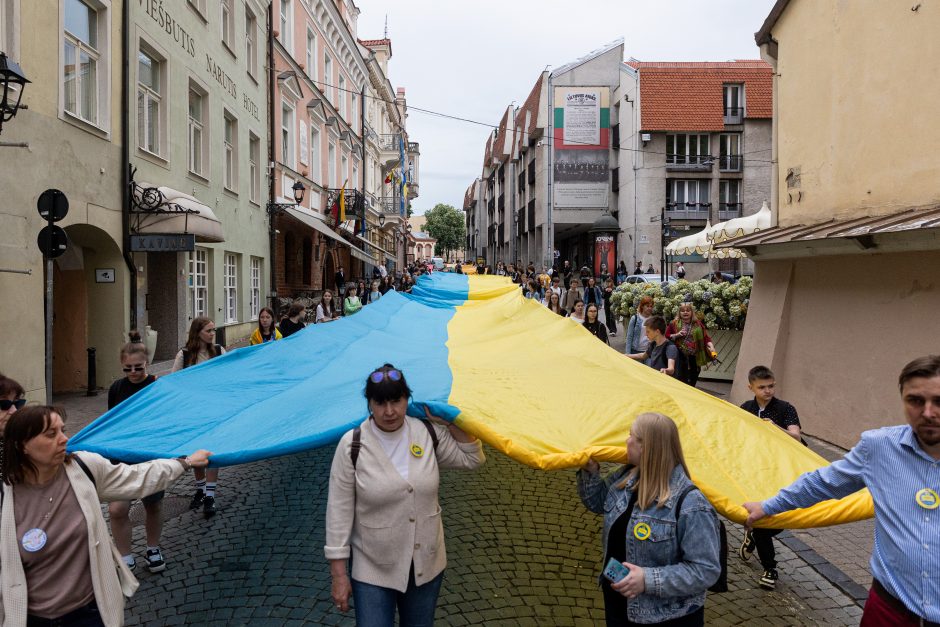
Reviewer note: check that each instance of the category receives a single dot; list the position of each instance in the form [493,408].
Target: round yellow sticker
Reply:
[416,450]
[642,531]
[927,498]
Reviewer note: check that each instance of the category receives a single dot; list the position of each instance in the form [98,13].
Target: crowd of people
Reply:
[661,538]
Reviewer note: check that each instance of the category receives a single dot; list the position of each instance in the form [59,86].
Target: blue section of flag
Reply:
[292,395]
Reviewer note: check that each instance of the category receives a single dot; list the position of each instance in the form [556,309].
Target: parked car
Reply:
[650,278]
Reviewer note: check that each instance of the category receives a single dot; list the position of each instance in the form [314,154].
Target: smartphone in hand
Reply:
[615,571]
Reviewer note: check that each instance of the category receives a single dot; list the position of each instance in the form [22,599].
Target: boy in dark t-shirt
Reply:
[764,405]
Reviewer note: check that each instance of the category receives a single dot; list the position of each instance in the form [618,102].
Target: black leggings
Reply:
[688,369]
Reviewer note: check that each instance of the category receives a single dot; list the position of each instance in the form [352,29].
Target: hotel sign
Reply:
[163,243]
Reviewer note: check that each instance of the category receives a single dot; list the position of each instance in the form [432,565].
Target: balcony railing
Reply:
[413,147]
[730,163]
[729,210]
[689,163]
[688,210]
[734,115]
[389,143]
[389,206]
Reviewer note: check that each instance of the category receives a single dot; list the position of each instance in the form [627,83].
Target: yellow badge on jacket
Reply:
[642,531]
[416,450]
[927,498]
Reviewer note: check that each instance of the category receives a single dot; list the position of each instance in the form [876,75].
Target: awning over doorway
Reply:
[316,223]
[193,217]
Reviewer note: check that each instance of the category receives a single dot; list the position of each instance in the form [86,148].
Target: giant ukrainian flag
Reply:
[531,384]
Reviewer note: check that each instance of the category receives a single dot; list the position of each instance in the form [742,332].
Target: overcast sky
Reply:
[472,59]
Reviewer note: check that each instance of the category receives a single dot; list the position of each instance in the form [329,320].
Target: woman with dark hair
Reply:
[267,331]
[383,509]
[294,321]
[200,347]
[592,324]
[659,531]
[11,399]
[326,310]
[576,313]
[386,284]
[554,304]
[59,565]
[134,361]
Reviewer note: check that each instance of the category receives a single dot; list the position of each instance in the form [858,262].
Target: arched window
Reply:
[308,261]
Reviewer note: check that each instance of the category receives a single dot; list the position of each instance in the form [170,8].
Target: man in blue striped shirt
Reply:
[901,468]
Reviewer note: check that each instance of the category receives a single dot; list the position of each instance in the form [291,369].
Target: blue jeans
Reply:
[375,605]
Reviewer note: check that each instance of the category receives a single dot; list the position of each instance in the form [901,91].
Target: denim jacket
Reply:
[673,588]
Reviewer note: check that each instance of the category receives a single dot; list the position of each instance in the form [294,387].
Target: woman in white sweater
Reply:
[59,563]
[383,508]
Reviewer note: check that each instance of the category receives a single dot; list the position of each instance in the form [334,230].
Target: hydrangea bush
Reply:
[718,305]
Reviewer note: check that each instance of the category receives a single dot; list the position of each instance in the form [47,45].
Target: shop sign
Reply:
[163,243]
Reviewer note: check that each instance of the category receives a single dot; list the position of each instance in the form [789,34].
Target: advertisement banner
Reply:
[605,252]
[581,147]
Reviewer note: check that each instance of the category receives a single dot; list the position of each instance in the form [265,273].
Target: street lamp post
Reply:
[274,209]
[11,76]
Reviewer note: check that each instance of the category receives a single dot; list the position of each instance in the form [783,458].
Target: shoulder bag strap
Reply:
[85,469]
[427,424]
[355,446]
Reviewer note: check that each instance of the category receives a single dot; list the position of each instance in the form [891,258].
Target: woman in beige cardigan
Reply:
[59,565]
[383,509]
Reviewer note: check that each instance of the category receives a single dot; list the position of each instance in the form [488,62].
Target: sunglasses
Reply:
[134,368]
[5,405]
[379,375]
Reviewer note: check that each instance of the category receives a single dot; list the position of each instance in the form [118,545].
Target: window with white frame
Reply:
[687,195]
[198,145]
[734,102]
[729,195]
[230,287]
[316,163]
[327,85]
[81,79]
[355,175]
[255,282]
[149,101]
[344,169]
[303,137]
[230,146]
[331,164]
[341,98]
[8,29]
[200,6]
[251,45]
[199,282]
[254,171]
[730,151]
[287,24]
[687,149]
[287,135]
[227,23]
[311,54]
[354,114]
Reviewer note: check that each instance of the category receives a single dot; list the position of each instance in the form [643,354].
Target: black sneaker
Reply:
[208,506]
[747,547]
[155,563]
[197,499]
[768,580]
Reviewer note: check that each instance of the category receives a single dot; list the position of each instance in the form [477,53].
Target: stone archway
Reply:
[329,271]
[90,308]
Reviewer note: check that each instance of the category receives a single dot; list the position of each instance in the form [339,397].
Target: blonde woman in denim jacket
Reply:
[672,557]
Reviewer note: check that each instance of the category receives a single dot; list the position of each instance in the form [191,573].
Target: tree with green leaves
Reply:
[446,224]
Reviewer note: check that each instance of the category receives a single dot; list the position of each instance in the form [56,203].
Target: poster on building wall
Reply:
[581,147]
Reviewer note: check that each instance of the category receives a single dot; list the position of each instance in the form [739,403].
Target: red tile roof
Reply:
[373,43]
[531,108]
[687,96]
[499,146]
[469,196]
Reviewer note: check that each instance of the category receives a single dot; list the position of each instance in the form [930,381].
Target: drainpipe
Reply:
[549,173]
[272,233]
[126,165]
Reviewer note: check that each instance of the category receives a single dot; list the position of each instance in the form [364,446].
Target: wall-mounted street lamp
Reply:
[382,220]
[12,83]
[274,208]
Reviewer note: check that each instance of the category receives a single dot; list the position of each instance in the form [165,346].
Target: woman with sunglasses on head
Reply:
[383,509]
[11,399]
[267,331]
[200,347]
[134,360]
[59,565]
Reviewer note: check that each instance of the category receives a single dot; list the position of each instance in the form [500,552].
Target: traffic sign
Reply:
[52,205]
[52,241]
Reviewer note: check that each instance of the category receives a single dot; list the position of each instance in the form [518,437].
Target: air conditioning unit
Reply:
[645,137]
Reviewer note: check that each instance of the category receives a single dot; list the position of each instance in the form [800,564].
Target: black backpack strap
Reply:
[431,432]
[355,445]
[91,477]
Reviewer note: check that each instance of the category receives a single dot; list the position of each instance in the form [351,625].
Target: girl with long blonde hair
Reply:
[658,526]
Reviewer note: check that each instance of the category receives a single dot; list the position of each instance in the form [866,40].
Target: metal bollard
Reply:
[92,373]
